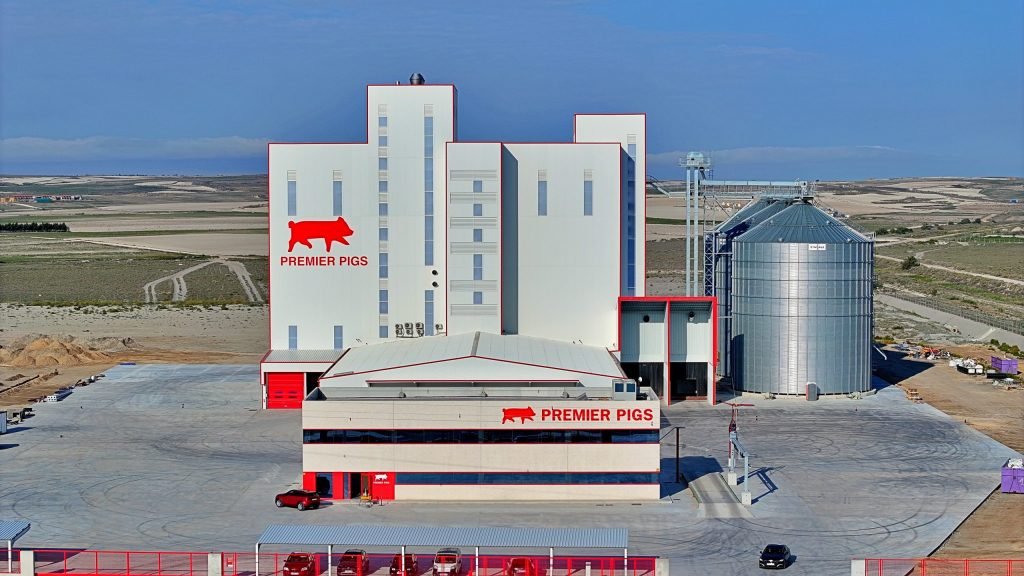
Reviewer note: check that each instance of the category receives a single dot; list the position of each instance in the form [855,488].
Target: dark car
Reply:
[521,567]
[412,567]
[299,564]
[775,556]
[354,561]
[300,499]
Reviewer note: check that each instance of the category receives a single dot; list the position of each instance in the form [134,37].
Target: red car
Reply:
[521,567]
[299,564]
[300,499]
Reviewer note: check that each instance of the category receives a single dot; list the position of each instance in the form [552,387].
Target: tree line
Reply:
[33,227]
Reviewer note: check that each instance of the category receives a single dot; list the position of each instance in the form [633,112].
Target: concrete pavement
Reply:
[170,457]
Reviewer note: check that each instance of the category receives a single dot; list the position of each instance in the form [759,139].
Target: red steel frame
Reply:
[668,300]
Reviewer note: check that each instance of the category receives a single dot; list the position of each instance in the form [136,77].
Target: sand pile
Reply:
[42,350]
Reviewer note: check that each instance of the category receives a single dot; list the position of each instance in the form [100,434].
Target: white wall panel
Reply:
[567,263]
[469,163]
[625,129]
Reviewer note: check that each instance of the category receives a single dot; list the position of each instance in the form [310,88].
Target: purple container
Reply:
[1013,480]
[1004,365]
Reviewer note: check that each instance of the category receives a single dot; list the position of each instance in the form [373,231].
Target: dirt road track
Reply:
[245,279]
[955,271]
[177,279]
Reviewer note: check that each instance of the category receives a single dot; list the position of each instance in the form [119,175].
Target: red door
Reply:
[285,389]
[382,485]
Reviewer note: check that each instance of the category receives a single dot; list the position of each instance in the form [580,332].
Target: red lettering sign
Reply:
[524,414]
[577,415]
[329,230]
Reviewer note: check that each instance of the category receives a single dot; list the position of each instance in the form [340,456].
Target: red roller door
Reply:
[285,390]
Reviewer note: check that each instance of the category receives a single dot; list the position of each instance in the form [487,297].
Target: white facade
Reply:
[449,237]
[390,193]
[418,468]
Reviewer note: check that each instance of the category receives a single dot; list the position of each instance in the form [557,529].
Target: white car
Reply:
[448,562]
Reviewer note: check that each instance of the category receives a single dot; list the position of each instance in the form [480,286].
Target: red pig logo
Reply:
[330,230]
[524,414]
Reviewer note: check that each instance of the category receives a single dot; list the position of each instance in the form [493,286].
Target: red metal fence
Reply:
[135,563]
[15,561]
[112,563]
[942,567]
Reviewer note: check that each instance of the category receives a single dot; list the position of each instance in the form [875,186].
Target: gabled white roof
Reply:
[525,350]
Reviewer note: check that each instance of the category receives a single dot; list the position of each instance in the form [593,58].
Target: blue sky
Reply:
[810,90]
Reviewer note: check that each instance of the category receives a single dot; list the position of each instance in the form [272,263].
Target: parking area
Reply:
[173,457]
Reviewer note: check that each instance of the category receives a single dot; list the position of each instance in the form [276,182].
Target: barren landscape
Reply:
[162,270]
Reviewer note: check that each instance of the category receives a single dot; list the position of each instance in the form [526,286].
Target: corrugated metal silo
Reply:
[746,218]
[801,305]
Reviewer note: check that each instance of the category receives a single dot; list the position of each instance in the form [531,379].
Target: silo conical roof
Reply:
[802,224]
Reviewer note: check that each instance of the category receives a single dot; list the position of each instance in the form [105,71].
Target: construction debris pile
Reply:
[41,350]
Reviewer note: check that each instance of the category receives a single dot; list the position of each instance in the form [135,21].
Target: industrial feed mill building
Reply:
[468,319]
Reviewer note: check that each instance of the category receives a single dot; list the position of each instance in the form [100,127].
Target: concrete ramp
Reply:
[714,497]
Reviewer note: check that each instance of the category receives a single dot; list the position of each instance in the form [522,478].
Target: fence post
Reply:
[214,564]
[27,562]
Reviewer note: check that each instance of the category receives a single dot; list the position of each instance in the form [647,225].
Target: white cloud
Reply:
[32,149]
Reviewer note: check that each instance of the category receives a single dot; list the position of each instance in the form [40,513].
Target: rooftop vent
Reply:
[417,79]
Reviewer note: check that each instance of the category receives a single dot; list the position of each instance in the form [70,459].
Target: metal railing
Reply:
[1015,326]
[72,562]
[942,567]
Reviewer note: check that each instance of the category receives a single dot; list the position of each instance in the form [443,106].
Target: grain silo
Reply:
[749,216]
[801,305]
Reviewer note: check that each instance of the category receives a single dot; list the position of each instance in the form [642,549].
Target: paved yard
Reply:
[173,457]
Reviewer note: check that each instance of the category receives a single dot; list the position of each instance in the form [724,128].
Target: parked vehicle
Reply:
[521,567]
[299,564]
[300,499]
[448,562]
[775,556]
[354,561]
[412,567]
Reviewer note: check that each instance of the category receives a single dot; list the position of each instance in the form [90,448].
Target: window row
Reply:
[480,436]
[551,478]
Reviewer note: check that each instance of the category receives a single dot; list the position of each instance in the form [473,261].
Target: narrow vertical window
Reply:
[382,234]
[337,198]
[339,337]
[478,185]
[588,197]
[542,198]
[382,209]
[478,297]
[428,184]
[478,235]
[382,121]
[382,163]
[478,209]
[382,331]
[428,241]
[428,311]
[291,193]
[478,266]
[293,337]
[382,269]
[383,307]
[382,186]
